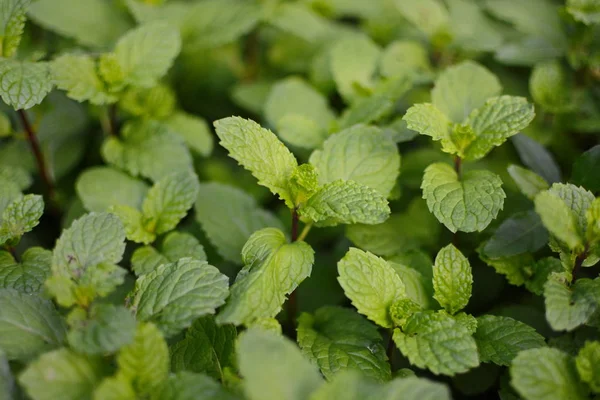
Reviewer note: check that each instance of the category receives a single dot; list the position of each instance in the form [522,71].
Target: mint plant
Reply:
[299,200]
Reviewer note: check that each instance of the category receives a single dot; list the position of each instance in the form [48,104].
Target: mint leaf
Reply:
[466,204]
[428,120]
[16,175]
[361,154]
[190,386]
[105,330]
[114,388]
[436,341]
[228,228]
[462,88]
[521,233]
[546,373]
[418,287]
[371,284]
[134,224]
[207,348]
[28,275]
[145,362]
[61,374]
[528,182]
[29,325]
[284,373]
[77,75]
[588,364]
[193,130]
[586,11]
[175,294]
[338,339]
[567,308]
[452,279]
[300,21]
[405,58]
[147,52]
[20,217]
[12,24]
[585,170]
[551,87]
[500,339]
[537,158]
[7,381]
[429,16]
[272,270]
[24,84]
[346,202]
[259,151]
[102,187]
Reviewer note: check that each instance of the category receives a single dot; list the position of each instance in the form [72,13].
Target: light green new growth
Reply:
[12,22]
[528,182]
[452,279]
[588,365]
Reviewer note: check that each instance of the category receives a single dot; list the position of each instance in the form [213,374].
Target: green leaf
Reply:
[105,330]
[175,294]
[194,131]
[429,16]
[550,87]
[586,170]
[462,88]
[272,270]
[528,182]
[94,23]
[361,154]
[418,287]
[189,386]
[145,362]
[148,149]
[471,28]
[426,119]
[436,341]
[228,228]
[542,270]
[353,62]
[28,275]
[500,339]
[157,102]
[300,21]
[147,52]
[77,75]
[29,325]
[292,99]
[207,348]
[371,284]
[586,11]
[567,308]
[521,233]
[537,158]
[338,339]
[558,218]
[346,202]
[405,58]
[546,373]
[24,84]
[168,201]
[102,187]
[498,119]
[466,204]
[452,279]
[7,381]
[588,364]
[20,217]
[62,374]
[134,224]
[259,151]
[114,388]
[16,175]
[12,24]
[303,184]
[283,374]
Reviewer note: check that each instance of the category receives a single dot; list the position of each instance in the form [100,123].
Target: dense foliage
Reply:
[397,200]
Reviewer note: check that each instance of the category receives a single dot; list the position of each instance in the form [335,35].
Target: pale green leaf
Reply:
[62,374]
[273,269]
[551,87]
[429,16]
[558,218]
[21,216]
[10,191]
[452,279]
[134,224]
[300,21]
[94,23]
[148,149]
[405,58]
[346,202]
[12,23]
[24,84]
[229,216]
[102,187]
[462,88]
[16,175]
[157,102]
[577,199]
[426,119]
[438,342]
[77,75]
[303,183]
[361,154]
[338,339]
[283,374]
[353,62]
[472,29]
[146,259]
[114,388]
[588,364]
[146,53]
[207,348]
[586,11]
[300,131]
[546,374]
[371,284]
[259,151]
[500,339]
[418,287]
[466,204]
[174,295]
[521,233]
[528,182]
[28,275]
[193,130]
[569,307]
[29,325]
[145,362]
[190,386]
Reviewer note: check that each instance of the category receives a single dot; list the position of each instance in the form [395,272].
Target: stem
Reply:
[579,261]
[37,153]
[458,166]
[12,251]
[390,349]
[304,232]
[252,56]
[108,120]
[291,306]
